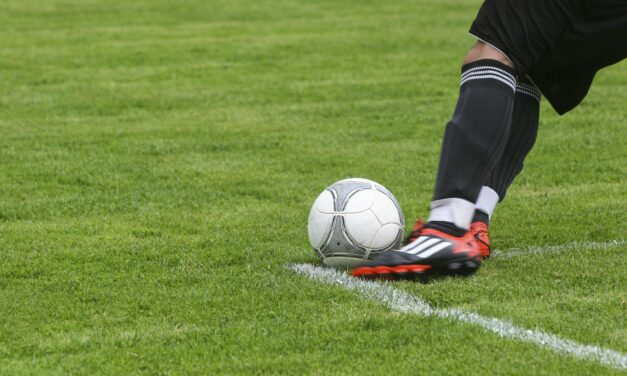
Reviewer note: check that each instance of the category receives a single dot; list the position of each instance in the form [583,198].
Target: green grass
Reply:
[158,162]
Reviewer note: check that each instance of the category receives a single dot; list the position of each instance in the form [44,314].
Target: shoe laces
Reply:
[480,229]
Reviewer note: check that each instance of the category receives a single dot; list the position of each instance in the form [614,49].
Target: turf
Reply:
[158,162]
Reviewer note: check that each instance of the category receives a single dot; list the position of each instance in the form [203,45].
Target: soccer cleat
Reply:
[415,232]
[429,251]
[480,232]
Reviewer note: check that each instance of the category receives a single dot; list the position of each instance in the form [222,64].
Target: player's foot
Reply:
[480,232]
[429,251]
[415,232]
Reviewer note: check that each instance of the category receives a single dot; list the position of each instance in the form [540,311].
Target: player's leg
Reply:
[522,136]
[562,61]
[485,51]
[538,37]
[474,140]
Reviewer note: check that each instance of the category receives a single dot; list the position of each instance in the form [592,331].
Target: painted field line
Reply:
[401,301]
[531,250]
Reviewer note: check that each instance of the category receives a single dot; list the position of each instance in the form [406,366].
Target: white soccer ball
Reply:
[354,220]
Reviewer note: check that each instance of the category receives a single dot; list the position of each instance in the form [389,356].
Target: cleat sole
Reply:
[463,267]
[401,272]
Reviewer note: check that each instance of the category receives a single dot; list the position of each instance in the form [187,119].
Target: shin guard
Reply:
[477,134]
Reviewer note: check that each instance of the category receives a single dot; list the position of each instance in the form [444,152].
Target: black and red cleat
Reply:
[428,251]
[480,232]
[415,232]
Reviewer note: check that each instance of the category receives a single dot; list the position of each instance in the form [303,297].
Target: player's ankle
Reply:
[455,211]
[485,205]
[481,216]
[447,228]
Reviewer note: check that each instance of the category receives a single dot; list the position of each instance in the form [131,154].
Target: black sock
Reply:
[522,137]
[481,216]
[476,135]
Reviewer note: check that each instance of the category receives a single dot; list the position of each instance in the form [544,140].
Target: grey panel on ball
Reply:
[343,189]
[338,244]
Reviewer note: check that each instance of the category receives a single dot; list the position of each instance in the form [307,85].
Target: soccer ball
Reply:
[354,220]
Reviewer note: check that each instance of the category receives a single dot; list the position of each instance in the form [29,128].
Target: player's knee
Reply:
[481,51]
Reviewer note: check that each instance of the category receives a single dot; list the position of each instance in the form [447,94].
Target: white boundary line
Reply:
[558,248]
[402,301]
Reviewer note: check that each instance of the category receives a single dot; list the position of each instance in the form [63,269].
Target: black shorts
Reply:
[559,44]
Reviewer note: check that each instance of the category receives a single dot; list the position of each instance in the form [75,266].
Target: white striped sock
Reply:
[489,72]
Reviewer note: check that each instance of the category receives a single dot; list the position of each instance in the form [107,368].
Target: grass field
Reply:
[158,160]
